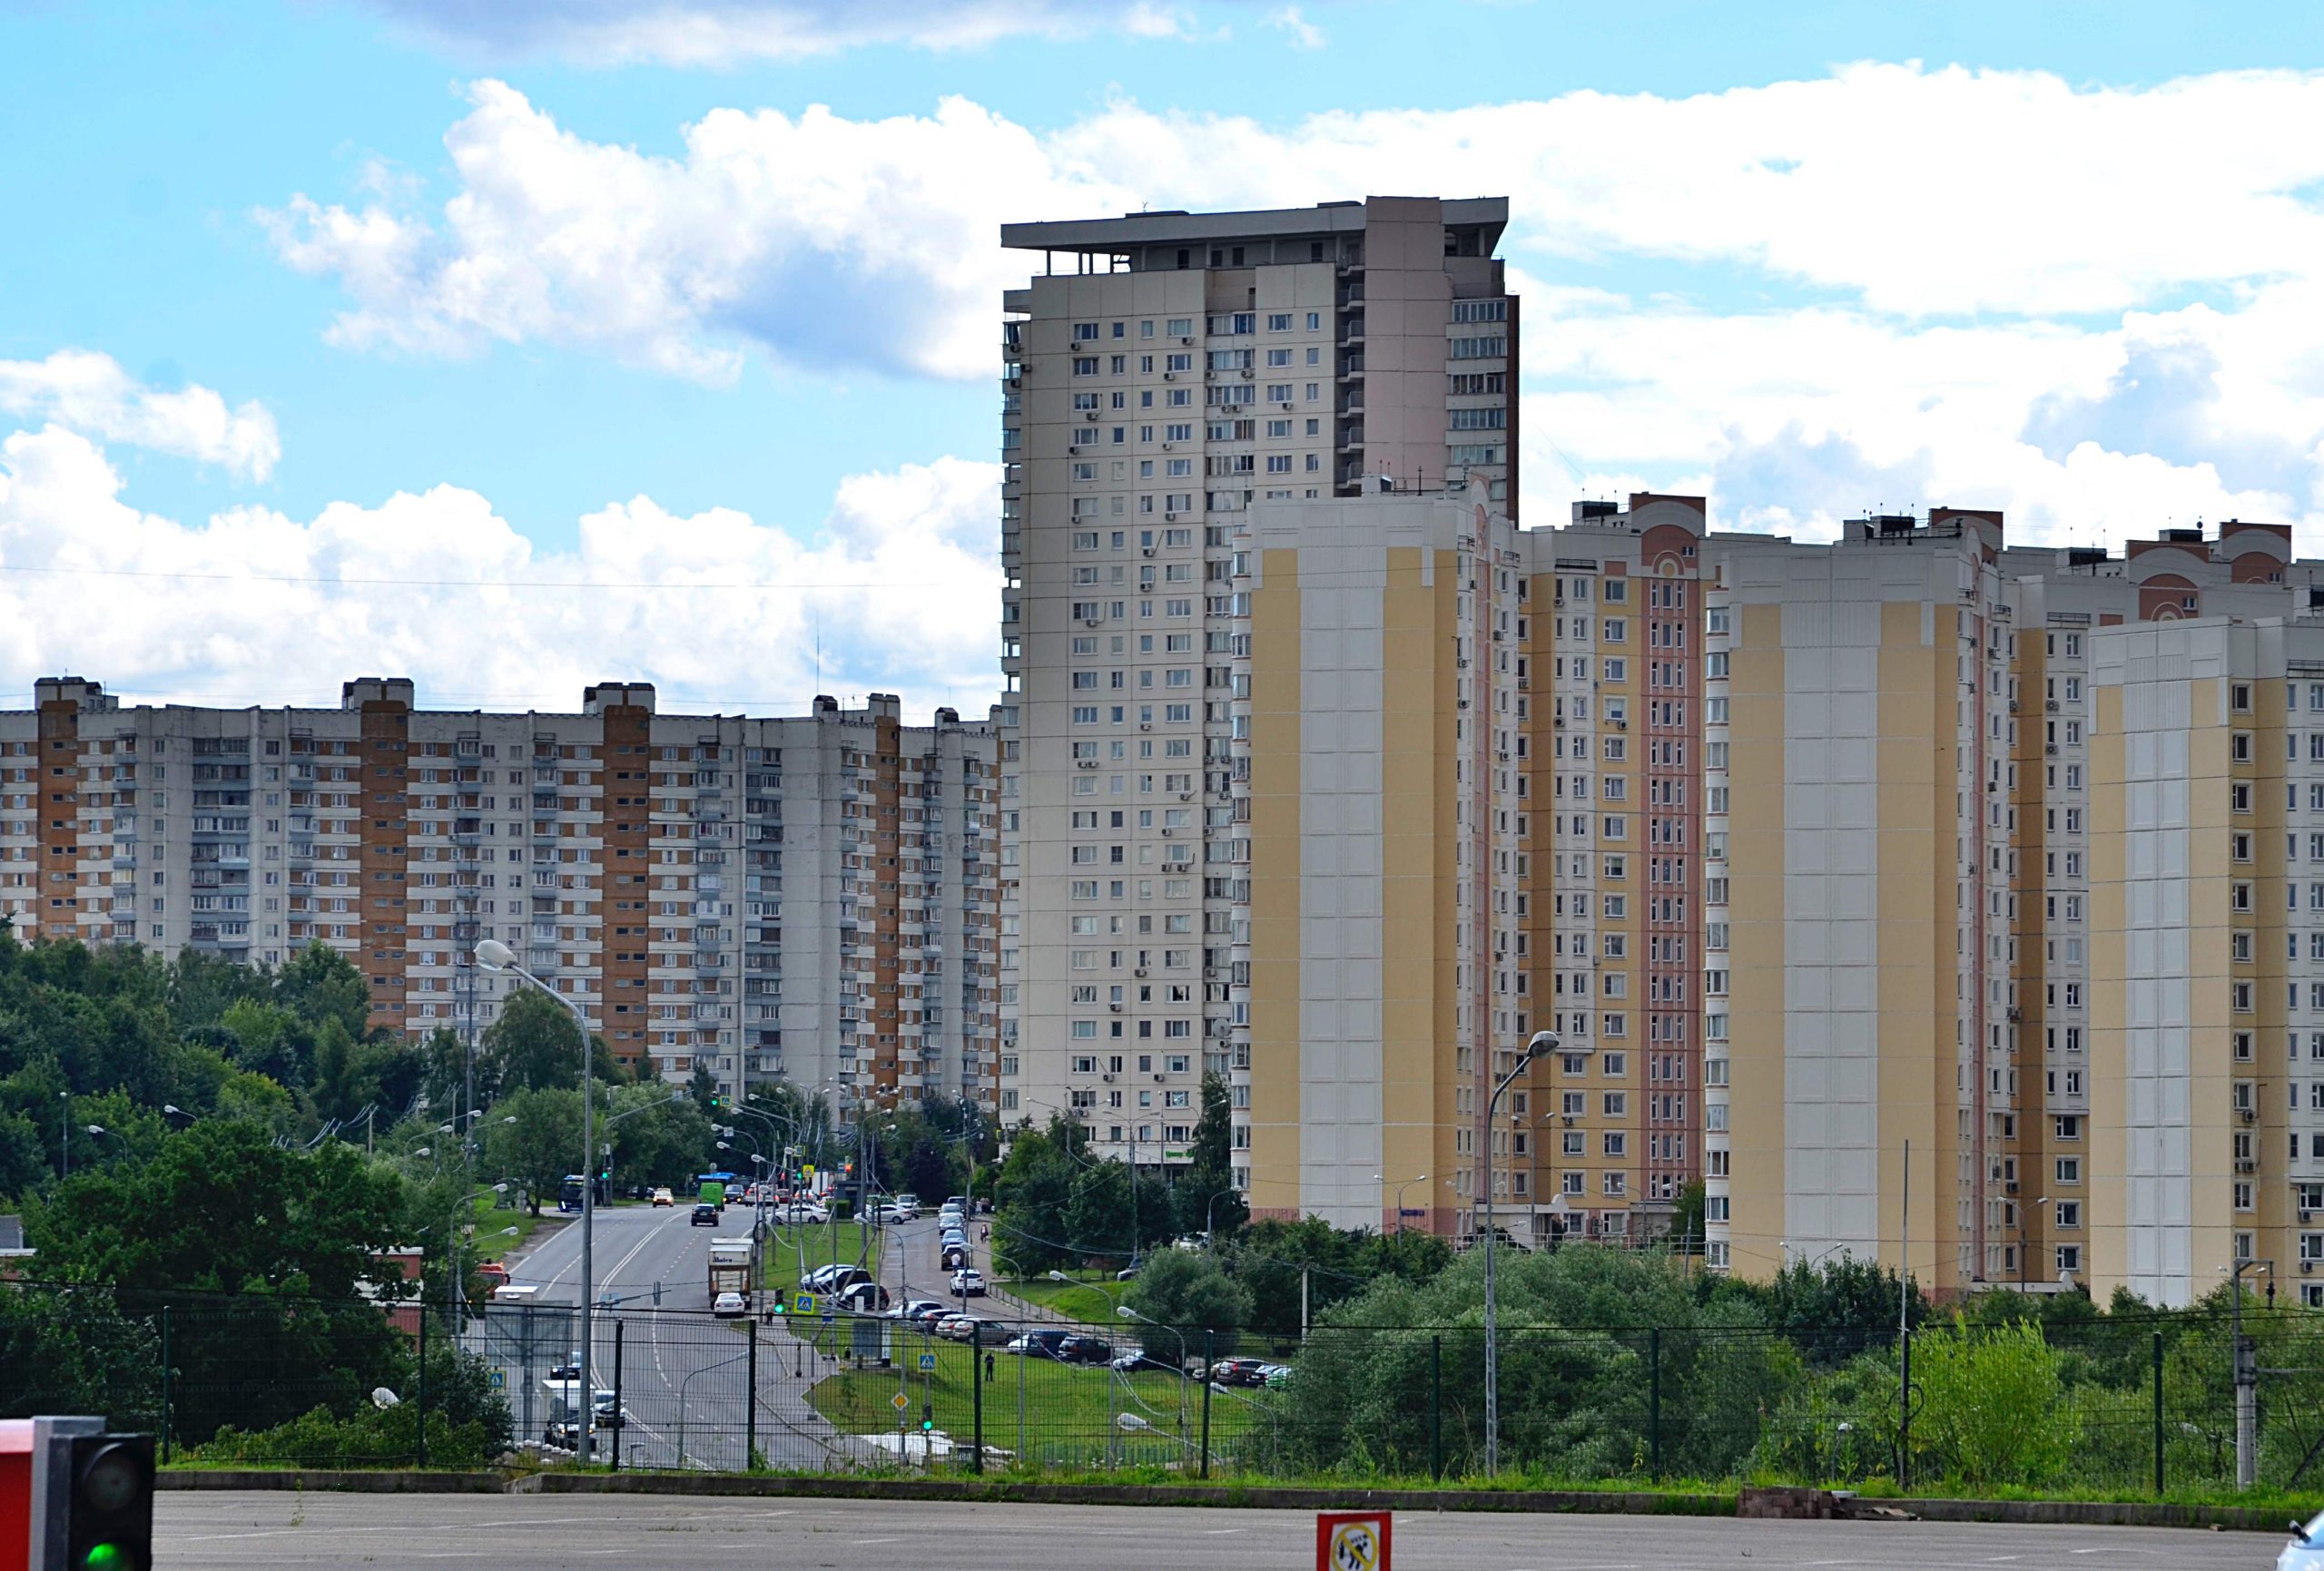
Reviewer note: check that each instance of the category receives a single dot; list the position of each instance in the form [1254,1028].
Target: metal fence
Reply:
[2128,1405]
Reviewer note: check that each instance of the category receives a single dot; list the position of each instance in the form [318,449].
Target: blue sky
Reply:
[457,287]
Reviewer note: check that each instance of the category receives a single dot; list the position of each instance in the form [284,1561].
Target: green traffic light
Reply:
[108,1557]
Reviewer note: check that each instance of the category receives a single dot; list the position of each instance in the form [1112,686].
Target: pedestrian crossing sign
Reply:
[928,1361]
[805,1303]
[498,1379]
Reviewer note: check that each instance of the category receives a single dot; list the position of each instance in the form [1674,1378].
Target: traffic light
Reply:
[110,1521]
[717,1102]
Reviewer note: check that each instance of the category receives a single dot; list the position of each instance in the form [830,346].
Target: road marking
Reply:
[860,1542]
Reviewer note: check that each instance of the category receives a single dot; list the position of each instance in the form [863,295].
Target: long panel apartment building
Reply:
[813,898]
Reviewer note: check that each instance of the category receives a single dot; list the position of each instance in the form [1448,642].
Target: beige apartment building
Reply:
[812,898]
[1165,374]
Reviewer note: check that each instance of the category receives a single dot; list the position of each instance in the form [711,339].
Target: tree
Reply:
[1205,1197]
[533,1138]
[1188,1298]
[533,1046]
[321,983]
[340,1087]
[219,1207]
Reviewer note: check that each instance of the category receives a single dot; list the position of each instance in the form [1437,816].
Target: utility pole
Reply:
[2247,1382]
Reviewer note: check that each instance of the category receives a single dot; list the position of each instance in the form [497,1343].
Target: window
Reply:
[2069,1170]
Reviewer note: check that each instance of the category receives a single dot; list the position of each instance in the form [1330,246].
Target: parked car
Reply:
[1133,1361]
[800,1211]
[865,1297]
[835,1279]
[969,1283]
[1237,1372]
[1085,1349]
[704,1215]
[891,1215]
[914,1308]
[728,1305]
[960,1328]
[1043,1343]
[663,1197]
[1274,1377]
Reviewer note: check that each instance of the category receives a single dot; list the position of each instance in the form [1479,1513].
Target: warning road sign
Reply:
[1352,1540]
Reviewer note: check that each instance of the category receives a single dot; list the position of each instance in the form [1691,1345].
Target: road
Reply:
[685,1375]
[278,1532]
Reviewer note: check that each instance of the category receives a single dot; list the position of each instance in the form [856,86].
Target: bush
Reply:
[372,1438]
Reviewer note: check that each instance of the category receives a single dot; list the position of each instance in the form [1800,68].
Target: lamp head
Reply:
[495,956]
[1542,1042]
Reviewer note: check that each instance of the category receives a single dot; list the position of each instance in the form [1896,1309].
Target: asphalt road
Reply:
[685,1375]
[259,1532]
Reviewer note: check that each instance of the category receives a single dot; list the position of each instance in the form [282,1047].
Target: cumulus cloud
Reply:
[1993,269]
[90,392]
[731,31]
[898,588]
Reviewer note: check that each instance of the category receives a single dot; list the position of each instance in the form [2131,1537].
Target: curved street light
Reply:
[495,956]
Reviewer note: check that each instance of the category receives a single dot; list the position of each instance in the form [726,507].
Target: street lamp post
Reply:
[1542,1042]
[1400,1200]
[65,1133]
[495,956]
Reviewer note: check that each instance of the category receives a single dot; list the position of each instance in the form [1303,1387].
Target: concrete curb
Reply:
[347,1483]
[1260,1497]
[1028,1492]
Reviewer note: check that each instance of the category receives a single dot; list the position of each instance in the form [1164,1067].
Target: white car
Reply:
[729,1305]
[969,1283]
[2305,1550]
[800,1212]
[891,1214]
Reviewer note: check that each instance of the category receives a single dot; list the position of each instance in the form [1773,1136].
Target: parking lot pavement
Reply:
[279,1531]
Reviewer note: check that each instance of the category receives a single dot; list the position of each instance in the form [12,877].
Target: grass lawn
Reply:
[490,1241]
[1070,1411]
[1090,1298]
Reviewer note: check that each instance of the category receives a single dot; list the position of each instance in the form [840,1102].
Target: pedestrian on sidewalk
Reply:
[987,1369]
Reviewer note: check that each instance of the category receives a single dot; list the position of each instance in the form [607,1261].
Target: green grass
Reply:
[1068,1409]
[489,1241]
[1090,1298]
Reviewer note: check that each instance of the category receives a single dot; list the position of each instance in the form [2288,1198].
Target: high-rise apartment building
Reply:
[813,898]
[1177,372]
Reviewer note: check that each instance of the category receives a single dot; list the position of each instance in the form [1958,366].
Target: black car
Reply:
[703,1216]
[1080,1349]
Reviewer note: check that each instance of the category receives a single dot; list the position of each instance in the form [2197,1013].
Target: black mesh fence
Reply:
[2124,1404]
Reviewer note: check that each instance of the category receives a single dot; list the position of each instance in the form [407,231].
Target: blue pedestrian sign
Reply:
[805,1303]
[928,1361]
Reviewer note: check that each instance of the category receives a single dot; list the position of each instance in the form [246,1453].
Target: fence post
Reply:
[1654,1397]
[976,1385]
[423,1384]
[1904,1410]
[751,1396]
[165,1385]
[2158,1415]
[1436,1407]
[619,1424]
[1208,1348]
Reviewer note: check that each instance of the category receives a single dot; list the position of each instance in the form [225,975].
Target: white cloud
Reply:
[90,392]
[823,240]
[900,587]
[730,32]
[1304,34]
[1993,269]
